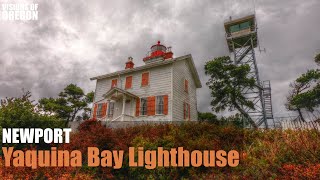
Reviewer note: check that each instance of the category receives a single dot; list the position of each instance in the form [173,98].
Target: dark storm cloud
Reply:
[75,40]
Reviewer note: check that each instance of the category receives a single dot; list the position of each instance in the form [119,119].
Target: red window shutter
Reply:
[128,82]
[145,79]
[165,104]
[104,109]
[137,106]
[151,105]
[95,111]
[184,110]
[186,85]
[189,110]
[114,83]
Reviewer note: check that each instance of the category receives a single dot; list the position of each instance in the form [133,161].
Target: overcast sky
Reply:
[75,40]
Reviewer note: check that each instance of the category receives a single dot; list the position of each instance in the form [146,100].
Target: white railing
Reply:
[122,117]
[300,125]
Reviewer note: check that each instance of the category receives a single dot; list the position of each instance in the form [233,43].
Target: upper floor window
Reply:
[239,27]
[186,85]
[128,82]
[143,105]
[114,83]
[159,105]
[111,109]
[145,79]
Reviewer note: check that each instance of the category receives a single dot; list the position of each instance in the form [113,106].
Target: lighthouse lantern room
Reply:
[159,51]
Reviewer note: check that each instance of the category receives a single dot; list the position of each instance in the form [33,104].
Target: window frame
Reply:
[162,112]
[148,79]
[116,85]
[141,106]
[99,110]
[109,109]
[240,27]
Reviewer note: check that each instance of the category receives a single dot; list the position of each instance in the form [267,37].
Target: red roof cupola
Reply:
[159,50]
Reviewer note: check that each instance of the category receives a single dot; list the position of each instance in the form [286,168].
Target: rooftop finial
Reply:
[158,42]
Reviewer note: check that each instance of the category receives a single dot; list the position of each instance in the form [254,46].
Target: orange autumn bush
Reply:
[293,171]
[263,153]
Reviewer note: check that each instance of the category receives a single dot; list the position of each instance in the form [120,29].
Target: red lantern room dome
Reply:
[159,50]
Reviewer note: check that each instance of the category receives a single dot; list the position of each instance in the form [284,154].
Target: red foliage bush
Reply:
[273,153]
[293,171]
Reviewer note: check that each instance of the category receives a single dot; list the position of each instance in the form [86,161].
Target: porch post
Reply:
[123,106]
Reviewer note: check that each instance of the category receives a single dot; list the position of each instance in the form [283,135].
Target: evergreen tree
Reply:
[227,82]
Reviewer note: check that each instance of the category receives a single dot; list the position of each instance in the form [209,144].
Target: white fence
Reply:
[298,124]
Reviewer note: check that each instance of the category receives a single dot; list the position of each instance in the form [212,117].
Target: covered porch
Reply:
[121,105]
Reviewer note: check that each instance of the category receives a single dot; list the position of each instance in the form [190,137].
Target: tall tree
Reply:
[305,92]
[68,104]
[296,89]
[317,59]
[227,82]
[22,112]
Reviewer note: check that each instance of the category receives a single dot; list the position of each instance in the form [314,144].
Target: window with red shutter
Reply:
[186,85]
[104,109]
[95,111]
[100,110]
[165,104]
[151,106]
[143,106]
[159,105]
[128,82]
[137,106]
[111,109]
[189,111]
[145,79]
[184,110]
[114,83]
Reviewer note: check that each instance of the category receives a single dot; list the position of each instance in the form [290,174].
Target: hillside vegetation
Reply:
[264,153]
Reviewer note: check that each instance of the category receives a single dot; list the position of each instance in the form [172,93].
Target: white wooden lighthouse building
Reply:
[164,89]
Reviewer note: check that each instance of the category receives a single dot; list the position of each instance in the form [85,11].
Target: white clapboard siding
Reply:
[165,79]
[181,71]
[159,84]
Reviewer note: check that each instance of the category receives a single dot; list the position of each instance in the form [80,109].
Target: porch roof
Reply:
[116,92]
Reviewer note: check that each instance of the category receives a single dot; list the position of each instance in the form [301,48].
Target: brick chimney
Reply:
[129,63]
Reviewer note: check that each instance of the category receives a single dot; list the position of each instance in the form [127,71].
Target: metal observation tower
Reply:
[242,38]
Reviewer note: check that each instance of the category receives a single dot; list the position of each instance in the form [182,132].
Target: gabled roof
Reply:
[115,89]
[156,64]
